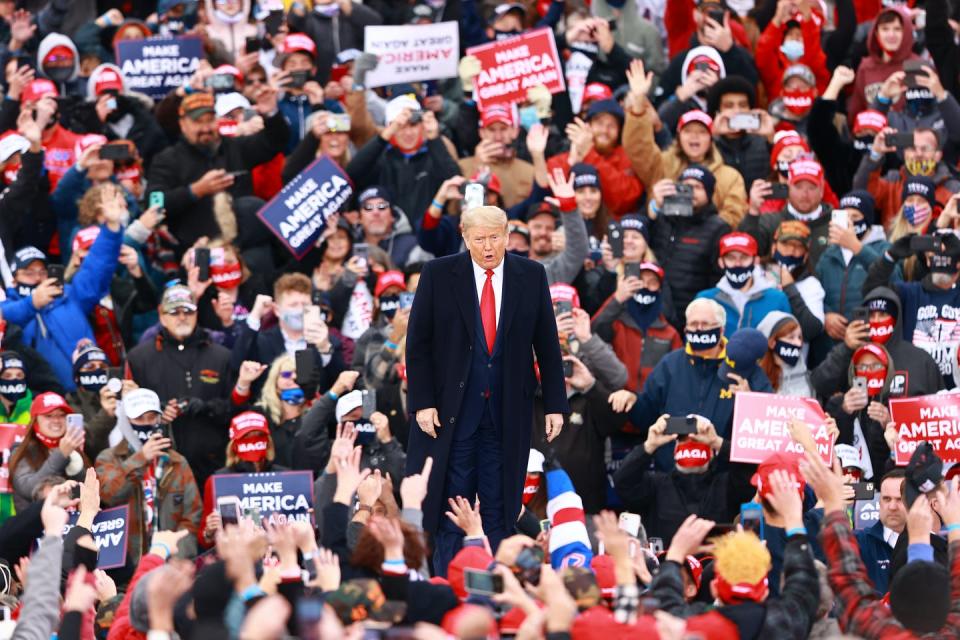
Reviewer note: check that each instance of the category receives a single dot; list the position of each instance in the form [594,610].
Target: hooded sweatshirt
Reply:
[873,70]
[231,31]
[59,142]
[747,307]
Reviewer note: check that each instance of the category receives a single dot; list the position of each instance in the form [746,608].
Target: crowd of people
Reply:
[728,197]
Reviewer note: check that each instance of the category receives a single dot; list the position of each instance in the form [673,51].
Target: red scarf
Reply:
[51,443]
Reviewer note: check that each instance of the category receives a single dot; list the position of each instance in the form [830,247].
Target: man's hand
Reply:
[155,446]
[213,524]
[739,383]
[560,185]
[759,190]
[342,445]
[29,129]
[18,80]
[327,564]
[431,126]
[170,412]
[707,434]
[561,607]
[165,588]
[131,260]
[827,485]
[45,293]
[105,105]
[429,421]
[845,237]
[878,412]
[662,189]
[250,371]
[349,476]
[53,515]
[265,100]
[949,507]
[80,596]
[835,324]
[626,288]
[553,425]
[581,140]
[892,88]
[856,335]
[920,520]
[212,182]
[106,587]
[582,379]
[413,488]
[465,516]
[785,498]
[842,76]
[657,436]
[688,539]
[717,35]
[880,140]
[22,29]
[370,488]
[930,80]
[89,499]
[581,325]
[114,207]
[488,152]
[537,138]
[622,401]
[640,82]
[616,543]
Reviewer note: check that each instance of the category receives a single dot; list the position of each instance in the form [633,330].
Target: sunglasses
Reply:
[287,375]
[182,312]
[255,80]
[372,207]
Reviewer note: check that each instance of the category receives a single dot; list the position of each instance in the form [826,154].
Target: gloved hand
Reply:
[951,244]
[469,69]
[539,96]
[900,249]
[365,62]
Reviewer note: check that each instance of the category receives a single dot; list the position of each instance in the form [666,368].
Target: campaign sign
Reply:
[110,532]
[299,213]
[157,66]
[509,67]
[866,513]
[934,419]
[412,53]
[286,494]
[10,435]
[760,426]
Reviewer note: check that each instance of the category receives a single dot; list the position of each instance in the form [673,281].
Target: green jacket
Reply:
[21,411]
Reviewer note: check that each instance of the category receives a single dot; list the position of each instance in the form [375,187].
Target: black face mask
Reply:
[738,276]
[144,431]
[783,168]
[789,353]
[644,307]
[703,340]
[25,290]
[389,306]
[940,263]
[92,380]
[13,390]
[59,74]
[505,35]
[860,228]
[863,144]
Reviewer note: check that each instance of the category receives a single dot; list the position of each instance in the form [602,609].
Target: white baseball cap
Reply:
[347,403]
[140,401]
[227,102]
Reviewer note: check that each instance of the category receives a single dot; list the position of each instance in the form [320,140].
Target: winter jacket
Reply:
[600,358]
[24,479]
[231,31]
[40,375]
[876,555]
[862,612]
[748,153]
[55,330]
[834,149]
[771,63]
[688,249]
[762,228]
[637,35]
[413,179]
[862,432]
[334,34]
[515,175]
[16,199]
[40,613]
[944,118]
[176,506]
[887,189]
[652,165]
[873,70]
[621,186]
[942,45]
[915,373]
[122,628]
[664,499]
[19,412]
[683,383]
[737,61]
[296,109]
[97,423]
[637,348]
[763,298]
[196,372]
[136,123]
[564,266]
[843,282]
[176,167]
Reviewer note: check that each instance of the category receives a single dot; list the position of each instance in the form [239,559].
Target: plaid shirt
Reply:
[862,612]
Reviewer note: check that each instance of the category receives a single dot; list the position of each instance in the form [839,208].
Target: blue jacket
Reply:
[843,283]
[876,555]
[55,330]
[684,383]
[296,110]
[764,299]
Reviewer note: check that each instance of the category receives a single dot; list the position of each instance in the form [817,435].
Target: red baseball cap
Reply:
[782,461]
[654,267]
[563,291]
[298,42]
[606,578]
[809,170]
[37,89]
[247,422]
[738,241]
[784,139]
[48,403]
[466,558]
[489,180]
[596,91]
[496,113]
[230,70]
[87,141]
[869,120]
[389,279]
[85,238]
[107,79]
[695,115]
[712,63]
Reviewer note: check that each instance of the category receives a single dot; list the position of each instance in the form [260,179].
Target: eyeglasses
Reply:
[287,375]
[182,312]
[867,368]
[254,80]
[380,206]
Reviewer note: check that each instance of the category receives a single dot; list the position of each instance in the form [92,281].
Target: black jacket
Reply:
[197,371]
[333,35]
[737,62]
[176,167]
[687,249]
[836,153]
[749,154]
[145,133]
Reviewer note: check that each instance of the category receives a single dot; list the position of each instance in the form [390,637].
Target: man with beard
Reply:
[561,266]
[202,164]
[192,376]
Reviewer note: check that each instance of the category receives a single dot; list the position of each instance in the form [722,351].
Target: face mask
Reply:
[920,167]
[703,340]
[690,455]
[863,144]
[25,290]
[252,449]
[645,297]
[145,431]
[860,228]
[783,168]
[792,49]
[881,330]
[50,443]
[292,396]
[389,306]
[327,10]
[917,216]
[504,35]
[293,319]
[875,380]
[93,380]
[528,117]
[13,390]
[530,486]
[789,353]
[738,276]
[226,276]
[920,106]
[58,74]
[798,101]
[518,252]
[940,263]
[644,307]
[790,262]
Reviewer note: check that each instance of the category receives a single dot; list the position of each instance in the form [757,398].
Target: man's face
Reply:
[890,35]
[292,301]
[6,8]
[876,317]
[606,130]
[701,318]
[148,419]
[409,135]
[541,228]
[180,323]
[499,132]
[130,33]
[509,21]
[252,83]
[298,61]
[376,216]
[201,132]
[13,374]
[733,103]
[699,193]
[486,245]
[695,141]
[737,259]
[925,148]
[893,515]
[796,83]
[805,196]
[34,274]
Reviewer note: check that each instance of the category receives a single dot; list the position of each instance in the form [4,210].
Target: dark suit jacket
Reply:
[440,335]
[267,345]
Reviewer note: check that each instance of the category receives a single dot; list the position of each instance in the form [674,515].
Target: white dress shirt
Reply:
[890,537]
[480,275]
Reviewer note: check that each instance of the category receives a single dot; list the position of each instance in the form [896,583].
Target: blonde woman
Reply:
[914,217]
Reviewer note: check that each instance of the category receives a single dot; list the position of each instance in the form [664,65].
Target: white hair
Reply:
[718,311]
[485,216]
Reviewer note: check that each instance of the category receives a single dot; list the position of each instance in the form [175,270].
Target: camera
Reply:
[679,204]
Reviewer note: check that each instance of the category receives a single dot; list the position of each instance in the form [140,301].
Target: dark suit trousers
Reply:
[474,469]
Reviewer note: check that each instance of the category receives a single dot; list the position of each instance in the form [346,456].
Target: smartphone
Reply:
[297,79]
[338,122]
[237,174]
[75,492]
[720,530]
[24,61]
[631,269]
[482,583]
[253,514]
[253,44]
[568,368]
[338,71]
[201,258]
[562,306]
[473,196]
[656,546]
[745,121]
[751,518]
[630,522]
[309,615]
[529,561]
[860,383]
[701,66]
[925,244]
[229,509]
[306,360]
[778,191]
[899,140]
[55,271]
[545,525]
[861,313]
[156,199]
[312,316]
[840,218]
[863,490]
[680,204]
[681,425]
[75,421]
[406,299]
[362,250]
[912,69]
[615,239]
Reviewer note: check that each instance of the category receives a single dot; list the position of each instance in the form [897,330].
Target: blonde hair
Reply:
[485,216]
[741,558]
[899,228]
[270,402]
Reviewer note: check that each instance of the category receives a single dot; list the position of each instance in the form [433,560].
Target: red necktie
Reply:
[488,312]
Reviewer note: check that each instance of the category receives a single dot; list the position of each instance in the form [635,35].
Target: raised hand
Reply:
[413,488]
[465,516]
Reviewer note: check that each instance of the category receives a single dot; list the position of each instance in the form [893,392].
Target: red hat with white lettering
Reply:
[389,279]
[738,241]
[48,403]
[695,115]
[784,139]
[563,291]
[85,238]
[248,422]
[778,461]
[596,91]
[37,89]
[230,70]
[496,113]
[809,170]
[294,42]
[869,120]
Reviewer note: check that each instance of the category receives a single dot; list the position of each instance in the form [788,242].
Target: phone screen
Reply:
[482,582]
[201,258]
[751,518]
[229,512]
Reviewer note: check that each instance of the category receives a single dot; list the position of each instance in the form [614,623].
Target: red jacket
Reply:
[620,185]
[266,178]
[678,19]
[771,63]
[121,629]
[58,153]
